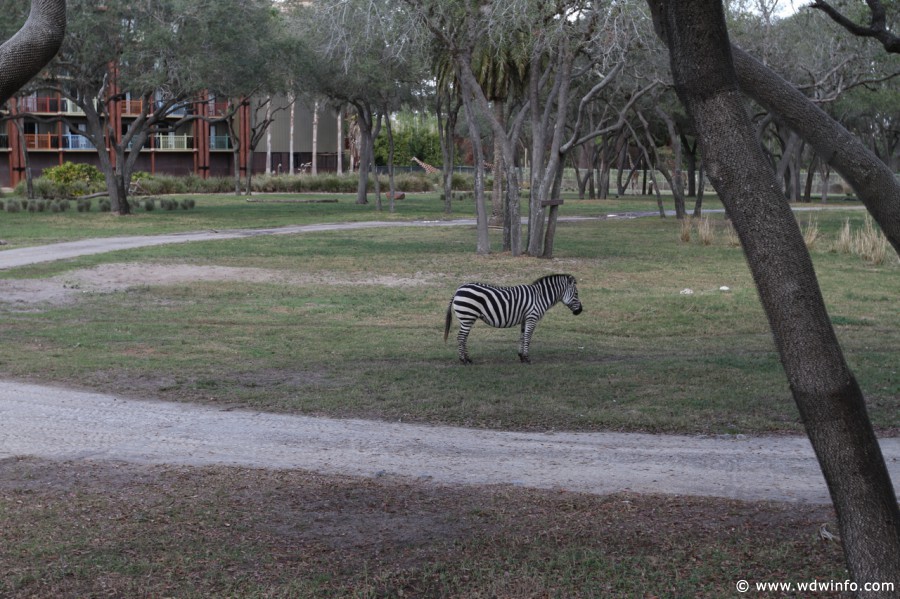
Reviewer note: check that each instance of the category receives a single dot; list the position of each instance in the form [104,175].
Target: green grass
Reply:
[355,328]
[267,210]
[350,323]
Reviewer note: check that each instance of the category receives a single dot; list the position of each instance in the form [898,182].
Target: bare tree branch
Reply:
[876,29]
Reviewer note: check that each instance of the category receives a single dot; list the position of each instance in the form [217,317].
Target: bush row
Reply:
[84,205]
[14,205]
[70,186]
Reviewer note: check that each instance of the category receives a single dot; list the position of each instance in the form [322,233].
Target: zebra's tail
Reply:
[448,321]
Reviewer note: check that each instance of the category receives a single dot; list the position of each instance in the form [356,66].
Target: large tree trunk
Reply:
[26,158]
[483,243]
[828,397]
[497,188]
[340,140]
[676,180]
[474,95]
[362,181]
[314,166]
[872,180]
[392,188]
[23,55]
[446,129]
[268,138]
[292,122]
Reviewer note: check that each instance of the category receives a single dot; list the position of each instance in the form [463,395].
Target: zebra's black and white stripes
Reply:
[506,307]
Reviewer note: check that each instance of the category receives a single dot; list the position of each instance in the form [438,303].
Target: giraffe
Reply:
[428,168]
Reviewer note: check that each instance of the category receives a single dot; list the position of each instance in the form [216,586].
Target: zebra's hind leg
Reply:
[525,340]
[462,351]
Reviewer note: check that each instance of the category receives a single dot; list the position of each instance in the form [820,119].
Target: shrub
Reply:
[192,183]
[70,172]
[13,206]
[413,182]
[105,206]
[43,188]
[461,182]
[150,204]
[83,205]
[67,180]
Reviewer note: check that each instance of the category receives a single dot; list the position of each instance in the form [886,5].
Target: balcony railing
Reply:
[53,141]
[174,142]
[39,104]
[4,141]
[69,107]
[132,106]
[180,111]
[42,141]
[220,142]
[76,142]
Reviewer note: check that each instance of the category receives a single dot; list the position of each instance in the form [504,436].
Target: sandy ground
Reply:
[62,424]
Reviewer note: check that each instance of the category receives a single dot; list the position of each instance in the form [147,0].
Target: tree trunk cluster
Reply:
[827,395]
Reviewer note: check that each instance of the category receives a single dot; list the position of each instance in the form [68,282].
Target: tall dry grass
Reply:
[870,244]
[811,234]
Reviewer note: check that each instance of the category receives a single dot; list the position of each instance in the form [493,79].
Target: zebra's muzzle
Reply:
[576,311]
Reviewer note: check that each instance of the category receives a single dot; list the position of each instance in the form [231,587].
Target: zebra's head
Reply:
[570,296]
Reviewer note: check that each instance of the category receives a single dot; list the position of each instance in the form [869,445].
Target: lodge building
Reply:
[199,147]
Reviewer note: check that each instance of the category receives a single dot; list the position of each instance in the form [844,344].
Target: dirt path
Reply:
[62,424]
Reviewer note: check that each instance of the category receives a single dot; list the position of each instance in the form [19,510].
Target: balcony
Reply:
[69,107]
[177,112]
[76,142]
[220,142]
[54,141]
[41,141]
[4,141]
[218,108]
[174,142]
[132,107]
[44,104]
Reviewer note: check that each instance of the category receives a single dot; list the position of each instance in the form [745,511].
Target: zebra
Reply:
[508,306]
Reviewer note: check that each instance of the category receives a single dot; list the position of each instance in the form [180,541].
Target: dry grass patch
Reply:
[83,529]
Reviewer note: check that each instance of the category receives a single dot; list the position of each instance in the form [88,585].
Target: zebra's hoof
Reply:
[524,359]
[465,361]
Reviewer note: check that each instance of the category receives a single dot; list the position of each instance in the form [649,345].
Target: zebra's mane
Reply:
[544,278]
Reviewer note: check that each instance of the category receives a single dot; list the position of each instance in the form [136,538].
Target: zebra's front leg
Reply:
[525,340]
[461,338]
